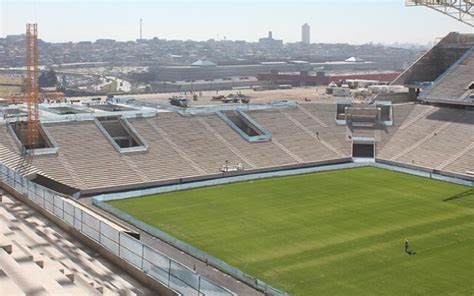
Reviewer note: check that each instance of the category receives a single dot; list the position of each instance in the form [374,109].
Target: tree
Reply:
[48,79]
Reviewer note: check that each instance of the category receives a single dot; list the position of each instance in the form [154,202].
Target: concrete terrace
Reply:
[186,147]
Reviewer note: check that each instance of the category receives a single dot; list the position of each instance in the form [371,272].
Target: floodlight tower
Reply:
[32,94]
[461,10]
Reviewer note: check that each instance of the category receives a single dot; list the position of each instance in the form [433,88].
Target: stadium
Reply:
[135,197]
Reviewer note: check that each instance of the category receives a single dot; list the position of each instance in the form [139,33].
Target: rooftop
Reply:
[203,63]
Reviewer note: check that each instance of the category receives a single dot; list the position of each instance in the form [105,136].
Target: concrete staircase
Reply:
[312,134]
[226,143]
[175,147]
[421,141]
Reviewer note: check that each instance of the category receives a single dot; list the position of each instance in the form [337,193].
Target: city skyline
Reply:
[359,22]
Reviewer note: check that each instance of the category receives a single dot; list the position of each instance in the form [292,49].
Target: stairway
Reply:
[175,147]
[313,135]
[226,143]
[421,141]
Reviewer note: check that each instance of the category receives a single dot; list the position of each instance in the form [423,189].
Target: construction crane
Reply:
[32,93]
[461,10]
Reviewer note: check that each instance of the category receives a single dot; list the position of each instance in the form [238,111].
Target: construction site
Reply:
[60,158]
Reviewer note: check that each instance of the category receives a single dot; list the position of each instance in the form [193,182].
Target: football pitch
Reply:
[330,233]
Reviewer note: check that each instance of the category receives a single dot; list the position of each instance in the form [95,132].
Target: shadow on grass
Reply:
[467,193]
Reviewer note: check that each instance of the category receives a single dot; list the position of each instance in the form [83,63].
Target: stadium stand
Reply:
[9,157]
[462,162]
[456,85]
[194,147]
[198,142]
[295,137]
[443,74]
[435,138]
[165,158]
[90,154]
[38,259]
[400,114]
[269,154]
[178,147]
[320,118]
[437,60]
[409,132]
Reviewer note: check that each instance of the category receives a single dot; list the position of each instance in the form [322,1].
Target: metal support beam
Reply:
[461,10]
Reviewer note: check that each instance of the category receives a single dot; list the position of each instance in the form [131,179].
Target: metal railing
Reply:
[153,263]
[196,253]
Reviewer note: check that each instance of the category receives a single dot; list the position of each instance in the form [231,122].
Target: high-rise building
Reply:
[305,34]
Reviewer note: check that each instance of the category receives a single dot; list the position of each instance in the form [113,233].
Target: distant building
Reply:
[269,41]
[354,60]
[15,38]
[305,34]
[207,70]
[105,41]
[203,63]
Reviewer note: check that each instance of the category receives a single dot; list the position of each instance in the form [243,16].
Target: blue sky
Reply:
[384,21]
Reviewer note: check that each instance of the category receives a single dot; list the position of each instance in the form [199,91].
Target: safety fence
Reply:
[208,259]
[154,264]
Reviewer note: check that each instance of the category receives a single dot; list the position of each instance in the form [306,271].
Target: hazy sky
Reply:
[333,21]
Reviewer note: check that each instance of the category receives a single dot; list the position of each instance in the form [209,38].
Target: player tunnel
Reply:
[363,148]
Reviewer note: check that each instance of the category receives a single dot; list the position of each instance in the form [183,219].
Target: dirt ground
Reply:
[301,94]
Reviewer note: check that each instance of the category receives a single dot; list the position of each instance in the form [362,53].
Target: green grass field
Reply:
[331,233]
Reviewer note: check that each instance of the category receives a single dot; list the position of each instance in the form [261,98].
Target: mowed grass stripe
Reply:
[329,253]
[331,233]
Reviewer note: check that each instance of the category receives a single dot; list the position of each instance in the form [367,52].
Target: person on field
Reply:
[407,248]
